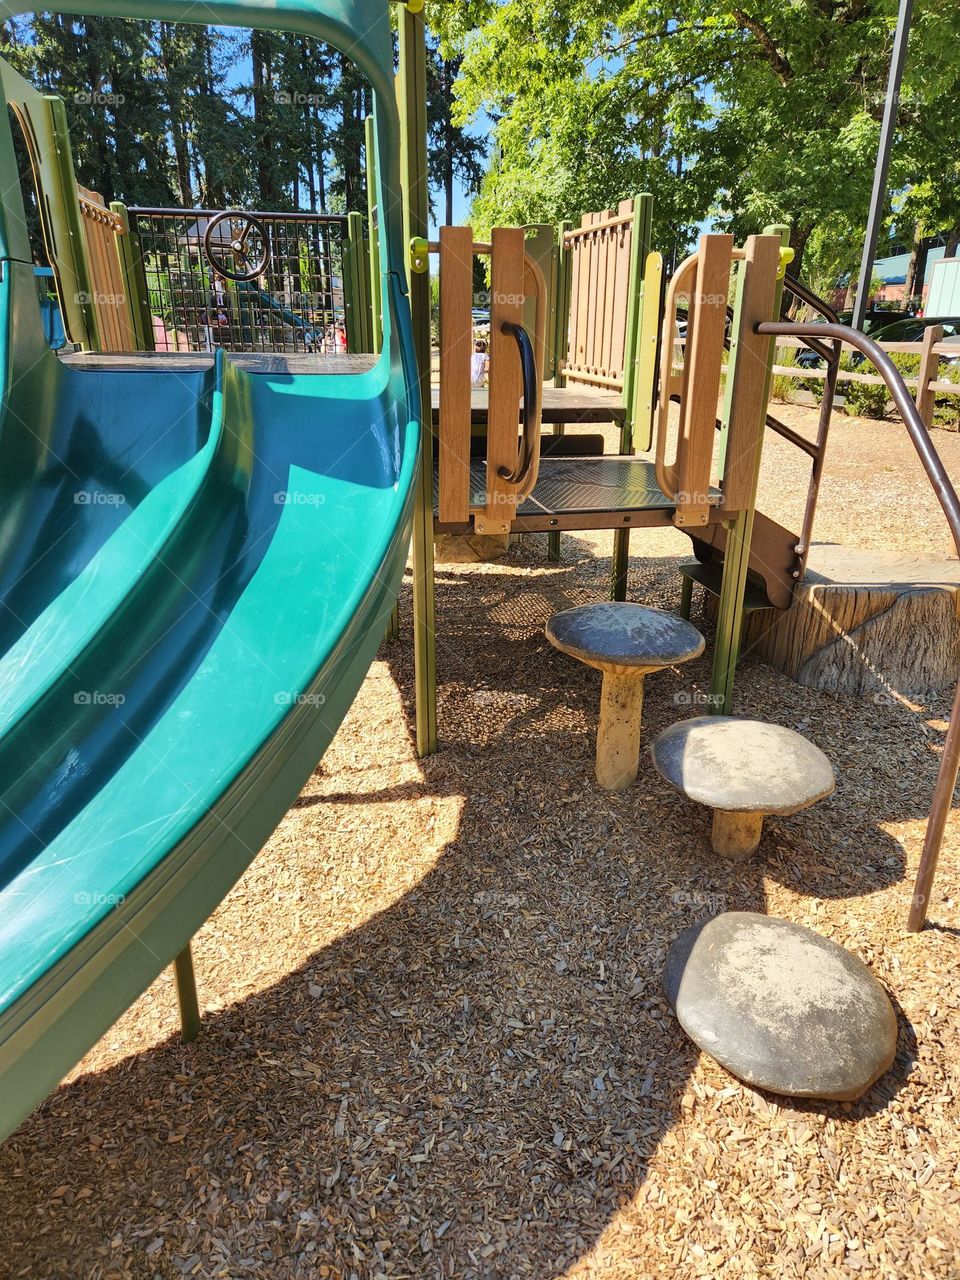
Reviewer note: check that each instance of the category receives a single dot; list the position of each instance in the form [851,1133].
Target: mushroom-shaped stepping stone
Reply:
[780,1006]
[743,770]
[625,642]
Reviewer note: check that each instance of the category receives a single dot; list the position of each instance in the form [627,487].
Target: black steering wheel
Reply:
[240,251]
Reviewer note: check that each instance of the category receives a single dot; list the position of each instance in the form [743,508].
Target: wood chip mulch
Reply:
[435,1041]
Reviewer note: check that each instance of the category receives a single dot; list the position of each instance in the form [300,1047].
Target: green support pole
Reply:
[356,286]
[736,559]
[639,248]
[376,331]
[190,1024]
[686,597]
[412,95]
[560,337]
[376,322]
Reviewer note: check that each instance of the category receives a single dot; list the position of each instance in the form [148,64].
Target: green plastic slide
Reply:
[196,569]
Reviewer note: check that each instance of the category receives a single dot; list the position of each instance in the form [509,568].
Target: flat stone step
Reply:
[781,1007]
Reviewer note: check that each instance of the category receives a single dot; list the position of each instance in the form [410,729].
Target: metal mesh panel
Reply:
[296,305]
[585,485]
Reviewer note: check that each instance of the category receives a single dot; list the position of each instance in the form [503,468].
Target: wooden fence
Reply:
[599,297]
[926,384]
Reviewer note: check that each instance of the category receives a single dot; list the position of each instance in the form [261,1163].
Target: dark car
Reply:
[902,328]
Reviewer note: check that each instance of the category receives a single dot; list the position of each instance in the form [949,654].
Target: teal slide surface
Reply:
[196,571]
[196,568]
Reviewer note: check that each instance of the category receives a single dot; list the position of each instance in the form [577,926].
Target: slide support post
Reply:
[561,327]
[639,248]
[373,241]
[412,96]
[190,1023]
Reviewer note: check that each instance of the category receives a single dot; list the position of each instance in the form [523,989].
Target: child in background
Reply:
[479,364]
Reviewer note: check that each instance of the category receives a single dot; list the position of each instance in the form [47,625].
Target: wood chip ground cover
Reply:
[435,1042]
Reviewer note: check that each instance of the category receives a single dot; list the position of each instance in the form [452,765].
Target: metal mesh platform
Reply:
[569,485]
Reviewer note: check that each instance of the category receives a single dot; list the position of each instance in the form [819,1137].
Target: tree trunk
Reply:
[175,107]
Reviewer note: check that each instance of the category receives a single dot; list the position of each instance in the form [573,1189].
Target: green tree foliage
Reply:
[746,113]
[167,114]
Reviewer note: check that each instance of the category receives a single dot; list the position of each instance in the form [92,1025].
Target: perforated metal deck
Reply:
[585,485]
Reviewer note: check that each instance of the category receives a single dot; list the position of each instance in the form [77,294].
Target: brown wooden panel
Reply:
[456,349]
[704,358]
[101,226]
[753,354]
[507,291]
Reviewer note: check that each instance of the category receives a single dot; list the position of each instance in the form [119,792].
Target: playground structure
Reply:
[246,708]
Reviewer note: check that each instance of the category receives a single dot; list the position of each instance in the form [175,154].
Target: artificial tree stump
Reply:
[625,642]
[866,622]
[743,770]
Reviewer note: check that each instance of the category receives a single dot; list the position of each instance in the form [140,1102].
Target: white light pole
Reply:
[879,194]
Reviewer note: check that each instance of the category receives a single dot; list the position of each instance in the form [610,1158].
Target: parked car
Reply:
[903,328]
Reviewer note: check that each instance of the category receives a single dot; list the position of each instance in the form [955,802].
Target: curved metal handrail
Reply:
[950,503]
[531,404]
[792,285]
[932,463]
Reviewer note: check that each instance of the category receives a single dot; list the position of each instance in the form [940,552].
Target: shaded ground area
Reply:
[436,1043]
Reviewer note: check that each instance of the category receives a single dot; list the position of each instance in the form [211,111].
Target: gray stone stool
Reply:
[742,770]
[625,642]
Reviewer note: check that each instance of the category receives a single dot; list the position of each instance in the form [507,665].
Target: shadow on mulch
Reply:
[474,1081]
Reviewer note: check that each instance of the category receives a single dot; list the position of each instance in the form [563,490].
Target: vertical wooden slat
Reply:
[456,345]
[929,367]
[590,359]
[704,358]
[507,286]
[623,237]
[749,370]
[584,258]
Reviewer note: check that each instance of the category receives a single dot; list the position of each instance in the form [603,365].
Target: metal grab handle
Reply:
[531,404]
